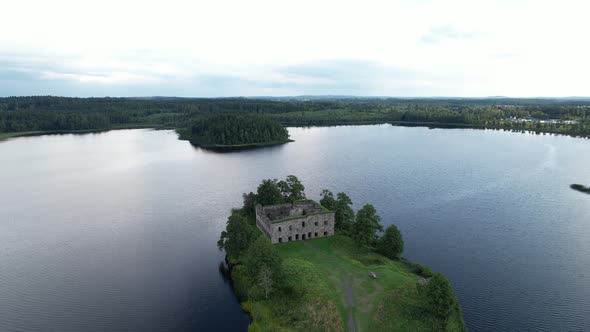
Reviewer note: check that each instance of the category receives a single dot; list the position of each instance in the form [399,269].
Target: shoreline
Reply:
[237,147]
[221,148]
[8,135]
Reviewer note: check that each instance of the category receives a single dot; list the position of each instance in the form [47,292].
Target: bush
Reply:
[421,270]
[241,283]
[441,298]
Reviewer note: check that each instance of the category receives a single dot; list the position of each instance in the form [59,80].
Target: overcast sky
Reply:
[280,48]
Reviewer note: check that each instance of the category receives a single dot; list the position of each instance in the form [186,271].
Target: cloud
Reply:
[111,77]
[125,76]
[354,77]
[446,32]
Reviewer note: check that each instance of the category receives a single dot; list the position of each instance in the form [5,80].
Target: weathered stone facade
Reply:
[293,222]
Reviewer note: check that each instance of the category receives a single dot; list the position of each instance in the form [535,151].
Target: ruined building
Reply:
[292,222]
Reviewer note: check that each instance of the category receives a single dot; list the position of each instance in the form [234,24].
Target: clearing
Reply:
[390,302]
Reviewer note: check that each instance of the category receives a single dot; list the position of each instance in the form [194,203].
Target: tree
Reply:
[249,203]
[262,253]
[291,189]
[328,200]
[342,207]
[391,243]
[344,216]
[265,280]
[441,298]
[238,235]
[269,193]
[366,226]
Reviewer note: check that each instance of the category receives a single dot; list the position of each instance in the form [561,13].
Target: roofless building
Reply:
[300,220]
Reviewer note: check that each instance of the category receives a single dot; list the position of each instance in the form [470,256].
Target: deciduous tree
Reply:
[366,226]
[441,297]
[265,280]
[391,243]
[292,189]
[238,235]
[269,193]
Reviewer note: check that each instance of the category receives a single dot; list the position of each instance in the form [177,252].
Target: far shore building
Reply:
[294,222]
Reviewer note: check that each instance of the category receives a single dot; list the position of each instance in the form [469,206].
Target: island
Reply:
[298,264]
[235,131]
[580,188]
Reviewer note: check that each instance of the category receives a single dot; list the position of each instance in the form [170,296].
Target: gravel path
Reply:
[347,291]
[350,302]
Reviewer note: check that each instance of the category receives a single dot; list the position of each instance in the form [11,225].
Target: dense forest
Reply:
[46,113]
[234,130]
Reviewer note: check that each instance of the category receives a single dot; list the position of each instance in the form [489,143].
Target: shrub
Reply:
[240,281]
[426,272]
[421,270]
[440,295]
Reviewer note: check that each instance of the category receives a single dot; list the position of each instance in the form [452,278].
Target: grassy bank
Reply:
[335,271]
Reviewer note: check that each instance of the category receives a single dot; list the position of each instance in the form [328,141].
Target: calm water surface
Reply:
[116,231]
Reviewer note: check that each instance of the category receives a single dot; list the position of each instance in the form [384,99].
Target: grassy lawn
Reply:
[390,302]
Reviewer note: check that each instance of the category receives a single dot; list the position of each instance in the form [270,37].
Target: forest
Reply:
[236,130]
[47,113]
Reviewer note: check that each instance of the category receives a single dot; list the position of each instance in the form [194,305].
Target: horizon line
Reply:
[327,96]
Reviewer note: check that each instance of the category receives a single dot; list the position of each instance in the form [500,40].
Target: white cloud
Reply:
[259,47]
[447,32]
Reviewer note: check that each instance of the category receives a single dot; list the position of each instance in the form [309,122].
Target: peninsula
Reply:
[297,264]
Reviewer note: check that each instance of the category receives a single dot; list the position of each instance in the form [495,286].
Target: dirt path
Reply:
[347,291]
[312,247]
[350,303]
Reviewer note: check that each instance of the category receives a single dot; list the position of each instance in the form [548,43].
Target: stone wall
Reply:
[280,211]
[312,226]
[305,227]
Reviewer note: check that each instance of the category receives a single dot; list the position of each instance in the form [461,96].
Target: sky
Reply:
[216,48]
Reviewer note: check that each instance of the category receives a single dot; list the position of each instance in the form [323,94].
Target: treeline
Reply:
[49,113]
[237,129]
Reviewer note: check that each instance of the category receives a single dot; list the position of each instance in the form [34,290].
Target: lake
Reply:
[117,231]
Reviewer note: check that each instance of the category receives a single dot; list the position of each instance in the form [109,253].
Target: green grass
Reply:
[313,308]
[307,200]
[324,210]
[390,302]
[298,217]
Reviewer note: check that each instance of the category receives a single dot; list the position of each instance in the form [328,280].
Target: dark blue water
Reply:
[116,231]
